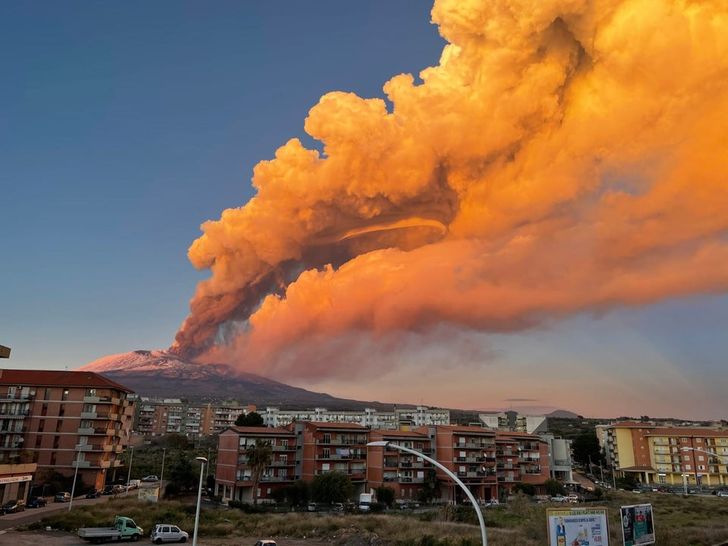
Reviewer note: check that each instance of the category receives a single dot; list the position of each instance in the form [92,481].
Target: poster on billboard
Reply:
[638,525]
[578,527]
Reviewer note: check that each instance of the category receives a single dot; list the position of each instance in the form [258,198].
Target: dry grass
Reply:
[694,521]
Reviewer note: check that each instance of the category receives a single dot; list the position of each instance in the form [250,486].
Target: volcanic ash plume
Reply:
[564,156]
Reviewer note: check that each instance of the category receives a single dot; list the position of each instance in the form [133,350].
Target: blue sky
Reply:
[123,126]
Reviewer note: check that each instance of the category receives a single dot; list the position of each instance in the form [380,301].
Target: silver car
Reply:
[164,532]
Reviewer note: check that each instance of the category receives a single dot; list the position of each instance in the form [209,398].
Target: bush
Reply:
[377,507]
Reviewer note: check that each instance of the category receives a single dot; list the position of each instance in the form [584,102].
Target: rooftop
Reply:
[58,378]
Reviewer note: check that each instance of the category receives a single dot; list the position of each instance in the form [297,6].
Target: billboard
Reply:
[638,526]
[578,527]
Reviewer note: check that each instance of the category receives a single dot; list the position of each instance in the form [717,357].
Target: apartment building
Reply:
[489,463]
[369,417]
[61,420]
[514,421]
[523,458]
[668,455]
[470,453]
[159,416]
[233,477]
[403,472]
[337,447]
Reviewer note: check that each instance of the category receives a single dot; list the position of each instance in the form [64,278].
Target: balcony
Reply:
[89,415]
[82,464]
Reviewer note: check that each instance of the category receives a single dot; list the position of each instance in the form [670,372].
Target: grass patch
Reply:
[694,521]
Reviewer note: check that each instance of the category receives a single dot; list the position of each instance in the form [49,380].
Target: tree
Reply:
[586,449]
[430,486]
[553,487]
[525,488]
[252,419]
[385,495]
[259,457]
[182,473]
[298,493]
[331,487]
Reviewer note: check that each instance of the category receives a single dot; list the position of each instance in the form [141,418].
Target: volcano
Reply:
[164,374]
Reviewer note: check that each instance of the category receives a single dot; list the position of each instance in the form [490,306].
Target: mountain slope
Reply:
[164,374]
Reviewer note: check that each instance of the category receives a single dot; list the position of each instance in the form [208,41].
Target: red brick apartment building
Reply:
[403,472]
[60,419]
[233,477]
[489,463]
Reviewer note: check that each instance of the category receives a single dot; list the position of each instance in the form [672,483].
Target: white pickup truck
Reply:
[124,529]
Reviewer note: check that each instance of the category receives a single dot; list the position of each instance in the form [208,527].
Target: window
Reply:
[701,458]
[48,393]
[65,394]
[686,457]
[90,392]
[325,467]
[11,392]
[688,467]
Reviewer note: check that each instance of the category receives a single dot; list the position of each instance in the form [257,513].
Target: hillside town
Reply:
[82,425]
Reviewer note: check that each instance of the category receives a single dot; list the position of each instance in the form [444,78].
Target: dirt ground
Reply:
[57,538]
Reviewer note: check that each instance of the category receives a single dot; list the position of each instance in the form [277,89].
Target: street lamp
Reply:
[131,459]
[75,475]
[446,471]
[199,499]
[161,476]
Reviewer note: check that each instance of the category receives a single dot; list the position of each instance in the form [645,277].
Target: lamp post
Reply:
[695,462]
[199,499]
[446,471]
[161,475]
[128,476]
[75,475]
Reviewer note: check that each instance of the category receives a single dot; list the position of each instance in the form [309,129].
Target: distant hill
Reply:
[165,375]
[562,414]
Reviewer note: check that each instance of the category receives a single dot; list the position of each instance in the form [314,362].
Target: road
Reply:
[31,515]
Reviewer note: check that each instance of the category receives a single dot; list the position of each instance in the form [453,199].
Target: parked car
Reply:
[124,528]
[491,503]
[36,502]
[63,496]
[722,493]
[573,499]
[559,498]
[13,506]
[108,490]
[150,478]
[93,494]
[118,489]
[164,532]
[133,484]
[266,543]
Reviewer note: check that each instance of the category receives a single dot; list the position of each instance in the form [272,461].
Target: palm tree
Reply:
[259,457]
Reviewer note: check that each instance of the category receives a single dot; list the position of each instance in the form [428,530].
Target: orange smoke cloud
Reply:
[564,155]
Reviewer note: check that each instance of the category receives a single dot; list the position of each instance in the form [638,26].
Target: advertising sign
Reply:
[638,527]
[149,494]
[578,527]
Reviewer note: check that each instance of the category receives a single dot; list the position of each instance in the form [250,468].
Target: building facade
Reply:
[668,455]
[369,417]
[491,464]
[61,420]
[233,476]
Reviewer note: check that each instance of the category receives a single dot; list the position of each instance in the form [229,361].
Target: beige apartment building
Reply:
[60,420]
[668,455]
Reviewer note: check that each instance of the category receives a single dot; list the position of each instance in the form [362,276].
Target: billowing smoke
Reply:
[564,156]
